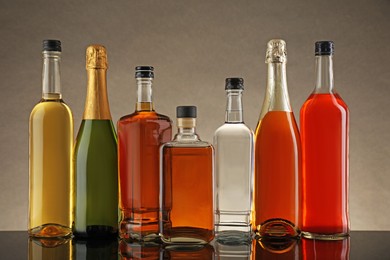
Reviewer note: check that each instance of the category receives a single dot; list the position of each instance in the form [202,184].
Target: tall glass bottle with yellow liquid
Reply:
[50,154]
[95,156]
[277,154]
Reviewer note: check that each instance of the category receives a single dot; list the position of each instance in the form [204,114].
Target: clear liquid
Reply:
[234,180]
[51,185]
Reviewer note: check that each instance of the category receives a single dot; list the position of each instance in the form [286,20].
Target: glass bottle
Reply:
[50,154]
[95,156]
[277,154]
[324,124]
[140,135]
[187,184]
[233,143]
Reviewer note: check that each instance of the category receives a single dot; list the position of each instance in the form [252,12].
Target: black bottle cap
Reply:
[144,72]
[324,48]
[186,112]
[234,83]
[51,45]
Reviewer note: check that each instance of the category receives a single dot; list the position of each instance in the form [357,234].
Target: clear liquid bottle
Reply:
[140,136]
[324,132]
[187,198]
[277,154]
[95,157]
[233,143]
[50,154]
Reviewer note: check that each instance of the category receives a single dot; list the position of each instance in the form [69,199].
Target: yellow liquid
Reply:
[51,183]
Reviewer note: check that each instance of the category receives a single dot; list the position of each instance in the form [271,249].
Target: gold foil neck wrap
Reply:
[186,122]
[96,57]
[276,51]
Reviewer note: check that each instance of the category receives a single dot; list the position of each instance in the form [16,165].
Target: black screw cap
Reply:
[144,72]
[51,45]
[324,48]
[186,112]
[234,83]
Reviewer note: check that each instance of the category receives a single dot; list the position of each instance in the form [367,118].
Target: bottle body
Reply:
[277,155]
[140,136]
[233,143]
[324,124]
[50,154]
[95,157]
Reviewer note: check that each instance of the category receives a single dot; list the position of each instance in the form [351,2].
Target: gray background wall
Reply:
[194,45]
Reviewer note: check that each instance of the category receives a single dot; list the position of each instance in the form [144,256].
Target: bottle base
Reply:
[97,232]
[278,229]
[187,236]
[139,226]
[317,236]
[50,231]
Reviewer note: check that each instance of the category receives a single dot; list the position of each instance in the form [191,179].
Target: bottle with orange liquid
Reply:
[324,125]
[140,135]
[186,194]
[277,154]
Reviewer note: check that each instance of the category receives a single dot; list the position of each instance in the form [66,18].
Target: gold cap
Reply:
[276,51]
[96,57]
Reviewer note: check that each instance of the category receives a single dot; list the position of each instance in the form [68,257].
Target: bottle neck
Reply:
[186,130]
[51,79]
[234,112]
[144,94]
[96,104]
[276,96]
[324,71]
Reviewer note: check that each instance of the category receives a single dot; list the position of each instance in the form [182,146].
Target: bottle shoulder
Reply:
[188,144]
[46,108]
[324,102]
[144,116]
[233,129]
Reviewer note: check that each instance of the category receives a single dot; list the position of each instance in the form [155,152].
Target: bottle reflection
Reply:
[201,252]
[49,249]
[232,252]
[325,249]
[96,249]
[133,251]
[286,249]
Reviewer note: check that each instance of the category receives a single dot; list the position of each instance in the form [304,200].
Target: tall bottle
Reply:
[95,156]
[324,131]
[140,135]
[187,198]
[233,143]
[50,150]
[277,154]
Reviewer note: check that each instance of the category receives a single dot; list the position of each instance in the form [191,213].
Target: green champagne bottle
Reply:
[95,157]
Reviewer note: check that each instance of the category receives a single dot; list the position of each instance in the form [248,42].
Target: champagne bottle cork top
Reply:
[96,57]
[276,51]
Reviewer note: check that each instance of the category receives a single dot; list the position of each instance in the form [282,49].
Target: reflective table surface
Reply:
[360,245]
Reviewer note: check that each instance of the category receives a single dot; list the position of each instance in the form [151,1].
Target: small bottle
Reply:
[95,157]
[187,199]
[51,148]
[324,132]
[233,143]
[277,154]
[140,136]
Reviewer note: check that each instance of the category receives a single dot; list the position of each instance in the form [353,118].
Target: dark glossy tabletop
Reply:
[360,245]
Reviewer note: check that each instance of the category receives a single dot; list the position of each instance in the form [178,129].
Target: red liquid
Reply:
[324,134]
[139,138]
[277,172]
[325,250]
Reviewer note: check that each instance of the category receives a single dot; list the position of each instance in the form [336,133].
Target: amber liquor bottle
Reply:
[140,136]
[187,205]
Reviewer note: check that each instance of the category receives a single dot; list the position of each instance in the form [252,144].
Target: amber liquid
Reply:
[277,169]
[285,249]
[139,138]
[324,132]
[187,195]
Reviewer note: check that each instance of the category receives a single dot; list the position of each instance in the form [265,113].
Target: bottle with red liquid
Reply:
[277,154]
[324,124]
[140,135]
[325,249]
